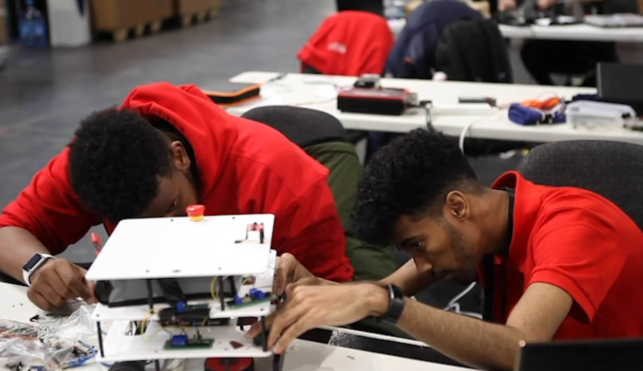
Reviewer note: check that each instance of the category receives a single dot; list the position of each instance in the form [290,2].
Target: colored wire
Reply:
[212,290]
[144,323]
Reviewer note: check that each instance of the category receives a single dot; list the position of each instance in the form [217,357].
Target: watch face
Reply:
[32,262]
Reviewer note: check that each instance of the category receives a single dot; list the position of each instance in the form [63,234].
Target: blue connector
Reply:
[179,341]
[253,293]
[180,307]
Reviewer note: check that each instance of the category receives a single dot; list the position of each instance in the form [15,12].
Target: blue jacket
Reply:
[413,55]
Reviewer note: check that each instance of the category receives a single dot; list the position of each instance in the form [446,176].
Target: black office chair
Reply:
[323,138]
[614,170]
[302,126]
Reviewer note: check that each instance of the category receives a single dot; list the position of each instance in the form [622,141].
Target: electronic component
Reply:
[189,344]
[368,80]
[190,315]
[256,294]
[385,101]
[254,297]
[159,302]
[179,340]
[121,293]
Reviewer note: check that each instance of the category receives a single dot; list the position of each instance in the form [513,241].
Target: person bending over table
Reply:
[166,148]
[556,263]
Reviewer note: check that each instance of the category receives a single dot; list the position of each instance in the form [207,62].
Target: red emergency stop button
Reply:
[195,212]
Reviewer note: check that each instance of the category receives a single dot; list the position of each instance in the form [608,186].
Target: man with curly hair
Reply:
[556,262]
[165,148]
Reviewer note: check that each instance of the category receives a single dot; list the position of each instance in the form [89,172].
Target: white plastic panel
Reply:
[121,347]
[263,282]
[179,247]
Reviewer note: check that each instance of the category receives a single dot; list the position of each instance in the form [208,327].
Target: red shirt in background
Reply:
[245,168]
[582,243]
[349,43]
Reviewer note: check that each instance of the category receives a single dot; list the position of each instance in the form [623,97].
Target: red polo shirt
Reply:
[582,243]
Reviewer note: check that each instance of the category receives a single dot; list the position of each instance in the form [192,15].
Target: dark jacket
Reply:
[413,55]
[473,50]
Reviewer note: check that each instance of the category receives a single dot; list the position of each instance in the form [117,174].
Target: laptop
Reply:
[615,20]
[582,355]
[621,83]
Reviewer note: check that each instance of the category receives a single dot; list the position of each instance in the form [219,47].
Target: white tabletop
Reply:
[579,32]
[307,356]
[301,355]
[319,92]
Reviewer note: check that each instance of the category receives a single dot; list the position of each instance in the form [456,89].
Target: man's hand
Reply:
[56,282]
[313,306]
[506,5]
[289,271]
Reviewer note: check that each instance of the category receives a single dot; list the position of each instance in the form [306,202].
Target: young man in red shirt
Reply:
[567,262]
[166,148]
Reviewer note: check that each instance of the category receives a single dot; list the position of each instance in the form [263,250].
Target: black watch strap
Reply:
[396,304]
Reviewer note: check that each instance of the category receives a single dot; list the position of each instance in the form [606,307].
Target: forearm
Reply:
[17,246]
[465,339]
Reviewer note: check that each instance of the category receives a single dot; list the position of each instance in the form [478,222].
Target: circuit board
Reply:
[268,299]
[191,344]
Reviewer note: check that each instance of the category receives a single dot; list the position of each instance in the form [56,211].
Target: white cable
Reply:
[454,307]
[468,126]
[460,295]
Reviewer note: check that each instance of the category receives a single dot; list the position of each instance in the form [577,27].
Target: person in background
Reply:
[555,262]
[165,148]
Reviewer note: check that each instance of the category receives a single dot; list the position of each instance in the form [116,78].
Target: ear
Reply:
[457,206]
[180,156]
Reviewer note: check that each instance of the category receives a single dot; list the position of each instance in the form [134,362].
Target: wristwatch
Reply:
[32,265]
[396,305]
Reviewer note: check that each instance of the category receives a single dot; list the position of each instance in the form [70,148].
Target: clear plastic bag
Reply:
[77,327]
[50,343]
[19,342]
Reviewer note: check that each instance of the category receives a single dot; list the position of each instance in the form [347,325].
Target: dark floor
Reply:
[45,93]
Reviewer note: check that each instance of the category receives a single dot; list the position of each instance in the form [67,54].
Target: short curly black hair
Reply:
[115,162]
[408,177]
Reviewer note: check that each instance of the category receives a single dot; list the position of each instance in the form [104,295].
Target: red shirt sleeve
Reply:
[580,257]
[312,231]
[50,209]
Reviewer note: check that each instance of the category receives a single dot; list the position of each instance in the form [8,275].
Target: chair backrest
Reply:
[474,50]
[372,6]
[302,126]
[349,43]
[614,170]
[413,55]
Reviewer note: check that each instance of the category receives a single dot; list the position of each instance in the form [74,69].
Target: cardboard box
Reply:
[110,15]
[4,37]
[4,31]
[194,6]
